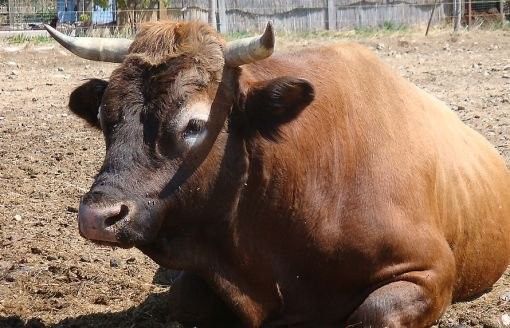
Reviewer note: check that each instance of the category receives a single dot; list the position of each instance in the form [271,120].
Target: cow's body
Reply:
[376,206]
[376,181]
[378,153]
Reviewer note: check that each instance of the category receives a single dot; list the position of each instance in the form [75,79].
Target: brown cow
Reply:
[309,189]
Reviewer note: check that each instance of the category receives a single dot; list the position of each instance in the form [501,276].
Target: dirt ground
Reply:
[51,277]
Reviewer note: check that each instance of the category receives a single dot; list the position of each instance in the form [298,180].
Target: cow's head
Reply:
[170,113]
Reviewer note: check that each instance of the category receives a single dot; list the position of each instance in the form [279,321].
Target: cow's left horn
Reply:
[249,50]
[99,49]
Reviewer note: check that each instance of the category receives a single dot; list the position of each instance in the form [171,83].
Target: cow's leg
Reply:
[418,299]
[193,302]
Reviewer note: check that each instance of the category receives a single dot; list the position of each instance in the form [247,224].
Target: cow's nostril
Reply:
[112,220]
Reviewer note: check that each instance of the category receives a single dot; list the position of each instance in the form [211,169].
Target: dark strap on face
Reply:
[220,110]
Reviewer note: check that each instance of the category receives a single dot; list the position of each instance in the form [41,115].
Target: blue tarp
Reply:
[68,12]
[103,16]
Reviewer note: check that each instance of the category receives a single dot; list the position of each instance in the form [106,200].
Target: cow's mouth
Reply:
[119,242]
[157,254]
[112,244]
[159,251]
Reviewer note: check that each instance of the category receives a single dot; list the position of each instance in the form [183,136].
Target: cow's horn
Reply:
[99,49]
[249,50]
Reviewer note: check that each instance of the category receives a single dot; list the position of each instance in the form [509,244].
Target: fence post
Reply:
[501,11]
[10,9]
[211,14]
[331,14]
[222,16]
[431,16]
[163,12]
[457,12]
[469,14]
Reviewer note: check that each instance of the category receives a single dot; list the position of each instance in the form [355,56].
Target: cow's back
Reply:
[371,130]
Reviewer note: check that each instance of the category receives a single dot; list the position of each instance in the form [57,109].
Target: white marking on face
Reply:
[196,111]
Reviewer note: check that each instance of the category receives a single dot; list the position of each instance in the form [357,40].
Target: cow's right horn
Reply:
[99,49]
[249,50]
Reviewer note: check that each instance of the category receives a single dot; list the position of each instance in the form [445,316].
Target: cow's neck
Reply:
[253,297]
[227,265]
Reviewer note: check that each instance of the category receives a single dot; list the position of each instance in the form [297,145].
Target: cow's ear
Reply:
[269,104]
[86,99]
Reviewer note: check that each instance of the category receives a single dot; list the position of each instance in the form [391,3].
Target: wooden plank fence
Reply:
[239,16]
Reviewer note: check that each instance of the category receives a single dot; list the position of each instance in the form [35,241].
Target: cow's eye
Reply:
[194,127]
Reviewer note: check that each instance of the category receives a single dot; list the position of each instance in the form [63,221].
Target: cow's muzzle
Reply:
[102,223]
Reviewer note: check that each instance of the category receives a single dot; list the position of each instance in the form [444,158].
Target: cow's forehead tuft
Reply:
[159,42]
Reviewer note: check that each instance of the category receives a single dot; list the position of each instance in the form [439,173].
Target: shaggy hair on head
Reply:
[157,42]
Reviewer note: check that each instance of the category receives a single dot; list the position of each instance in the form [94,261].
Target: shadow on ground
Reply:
[151,313]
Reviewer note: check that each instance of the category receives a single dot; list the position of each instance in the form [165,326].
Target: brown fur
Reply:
[157,42]
[376,206]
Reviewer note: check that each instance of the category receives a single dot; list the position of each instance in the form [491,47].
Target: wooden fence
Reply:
[306,15]
[239,16]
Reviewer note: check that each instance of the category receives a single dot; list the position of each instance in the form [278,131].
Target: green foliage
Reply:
[44,17]
[132,4]
[84,18]
[23,38]
[104,4]
[237,35]
[496,25]
[393,27]
[387,27]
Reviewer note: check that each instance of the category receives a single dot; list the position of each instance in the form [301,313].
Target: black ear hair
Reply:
[86,99]
[269,104]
